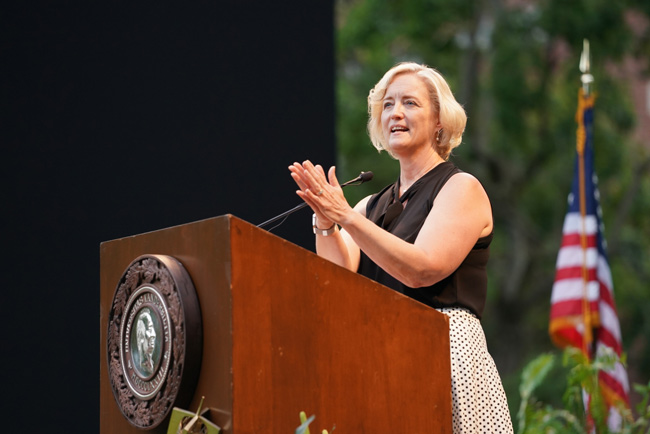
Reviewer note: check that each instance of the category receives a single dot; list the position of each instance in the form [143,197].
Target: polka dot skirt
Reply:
[479,402]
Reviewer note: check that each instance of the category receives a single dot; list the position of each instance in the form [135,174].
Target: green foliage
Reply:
[514,67]
[531,377]
[536,417]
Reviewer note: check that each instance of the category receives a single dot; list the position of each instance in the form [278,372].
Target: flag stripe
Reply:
[575,239]
[571,308]
[609,340]
[575,224]
[614,383]
[575,273]
[576,256]
[609,322]
[574,289]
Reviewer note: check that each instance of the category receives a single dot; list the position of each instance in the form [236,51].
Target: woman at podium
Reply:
[427,235]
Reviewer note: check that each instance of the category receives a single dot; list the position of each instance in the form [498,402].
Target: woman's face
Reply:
[408,119]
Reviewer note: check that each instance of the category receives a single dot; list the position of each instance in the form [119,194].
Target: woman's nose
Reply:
[397,111]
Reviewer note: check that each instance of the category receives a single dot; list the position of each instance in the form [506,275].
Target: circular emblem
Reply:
[154,340]
[145,342]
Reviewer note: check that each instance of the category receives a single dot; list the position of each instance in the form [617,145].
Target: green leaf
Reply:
[531,377]
[534,373]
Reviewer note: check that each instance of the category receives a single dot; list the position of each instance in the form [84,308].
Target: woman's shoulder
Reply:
[465,194]
[465,182]
[463,187]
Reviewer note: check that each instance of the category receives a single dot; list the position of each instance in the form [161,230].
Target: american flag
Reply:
[583,311]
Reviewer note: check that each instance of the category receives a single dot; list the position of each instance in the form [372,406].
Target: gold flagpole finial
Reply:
[585,66]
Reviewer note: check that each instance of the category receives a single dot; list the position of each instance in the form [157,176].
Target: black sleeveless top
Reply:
[465,287]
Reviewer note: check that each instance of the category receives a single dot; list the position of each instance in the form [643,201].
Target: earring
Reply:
[439,135]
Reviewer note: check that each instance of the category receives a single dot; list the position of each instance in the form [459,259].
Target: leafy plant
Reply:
[536,417]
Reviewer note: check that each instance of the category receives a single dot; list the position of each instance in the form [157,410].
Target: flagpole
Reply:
[572,321]
[583,101]
[585,65]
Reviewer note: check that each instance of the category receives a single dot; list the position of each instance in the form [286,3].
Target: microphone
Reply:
[363,177]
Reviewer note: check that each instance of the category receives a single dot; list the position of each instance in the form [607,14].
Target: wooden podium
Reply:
[285,331]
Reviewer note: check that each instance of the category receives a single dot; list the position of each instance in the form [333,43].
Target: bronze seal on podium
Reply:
[154,340]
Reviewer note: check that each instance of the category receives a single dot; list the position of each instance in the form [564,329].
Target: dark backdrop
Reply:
[123,118]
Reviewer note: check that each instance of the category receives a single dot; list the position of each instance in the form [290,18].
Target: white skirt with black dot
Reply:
[479,402]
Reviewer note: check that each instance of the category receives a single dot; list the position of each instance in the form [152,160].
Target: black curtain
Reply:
[123,118]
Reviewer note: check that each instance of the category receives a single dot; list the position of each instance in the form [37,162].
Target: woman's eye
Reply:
[410,103]
[387,104]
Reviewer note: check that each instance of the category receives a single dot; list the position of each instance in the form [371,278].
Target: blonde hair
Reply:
[451,114]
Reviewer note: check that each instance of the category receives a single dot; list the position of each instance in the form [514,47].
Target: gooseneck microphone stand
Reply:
[363,177]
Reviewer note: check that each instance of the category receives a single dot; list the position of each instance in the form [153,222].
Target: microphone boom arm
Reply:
[363,177]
